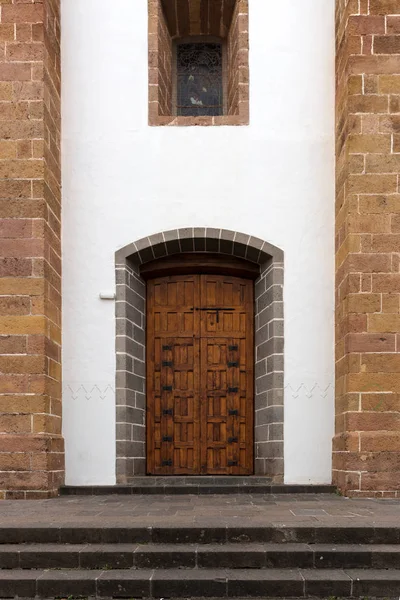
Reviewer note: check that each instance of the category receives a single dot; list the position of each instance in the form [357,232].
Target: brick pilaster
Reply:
[366,451]
[31,446]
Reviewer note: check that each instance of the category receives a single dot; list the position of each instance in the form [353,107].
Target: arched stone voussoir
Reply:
[131,341]
[199,239]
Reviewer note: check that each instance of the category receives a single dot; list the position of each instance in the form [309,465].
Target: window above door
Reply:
[198,62]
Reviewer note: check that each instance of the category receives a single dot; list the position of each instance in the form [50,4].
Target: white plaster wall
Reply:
[123,180]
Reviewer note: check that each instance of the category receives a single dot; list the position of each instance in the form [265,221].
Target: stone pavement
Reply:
[216,510]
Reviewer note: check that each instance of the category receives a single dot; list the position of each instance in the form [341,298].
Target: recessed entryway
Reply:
[201,437]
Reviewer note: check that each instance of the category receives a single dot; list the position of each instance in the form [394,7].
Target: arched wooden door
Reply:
[200,374]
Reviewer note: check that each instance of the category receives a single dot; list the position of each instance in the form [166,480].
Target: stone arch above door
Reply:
[131,342]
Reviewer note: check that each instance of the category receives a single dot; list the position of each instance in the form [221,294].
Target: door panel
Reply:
[173,364]
[200,375]
[227,360]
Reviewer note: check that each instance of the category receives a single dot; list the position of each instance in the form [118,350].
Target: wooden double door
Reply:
[200,362]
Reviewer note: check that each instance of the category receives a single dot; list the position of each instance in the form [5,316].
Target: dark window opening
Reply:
[199,80]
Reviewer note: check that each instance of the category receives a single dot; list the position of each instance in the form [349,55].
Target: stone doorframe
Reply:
[131,342]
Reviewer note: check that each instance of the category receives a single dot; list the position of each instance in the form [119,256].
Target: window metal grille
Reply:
[199,79]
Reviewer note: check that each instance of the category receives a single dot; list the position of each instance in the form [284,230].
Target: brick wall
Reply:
[160,62]
[31,447]
[130,312]
[269,371]
[238,60]
[366,451]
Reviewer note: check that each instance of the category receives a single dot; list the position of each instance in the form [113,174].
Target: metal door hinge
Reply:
[167,363]
[233,364]
[232,463]
[233,390]
[233,348]
[167,438]
[167,388]
[231,440]
[165,348]
[233,413]
[166,463]
[168,411]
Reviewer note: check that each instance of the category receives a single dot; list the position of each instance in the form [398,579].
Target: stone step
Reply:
[257,533]
[197,486]
[192,556]
[200,583]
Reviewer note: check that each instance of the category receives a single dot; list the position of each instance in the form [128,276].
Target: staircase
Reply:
[204,485]
[191,562]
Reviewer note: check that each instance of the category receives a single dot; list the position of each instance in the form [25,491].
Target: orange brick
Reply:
[389,84]
[393,24]
[373,184]
[370,124]
[388,283]
[387,44]
[370,84]
[390,303]
[362,25]
[46,424]
[6,91]
[369,143]
[369,223]
[386,243]
[346,442]
[21,286]
[15,305]
[22,13]
[23,325]
[13,344]
[28,90]
[364,303]
[384,7]
[394,104]
[25,52]
[22,364]
[24,404]
[380,441]
[7,149]
[368,104]
[372,421]
[355,85]
[369,263]
[379,204]
[382,163]
[17,461]
[389,124]
[380,363]
[395,225]
[380,402]
[6,32]
[15,423]
[29,480]
[25,169]
[23,32]
[366,283]
[381,481]
[385,323]
[15,72]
